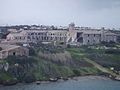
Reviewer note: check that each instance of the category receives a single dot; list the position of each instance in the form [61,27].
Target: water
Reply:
[83,83]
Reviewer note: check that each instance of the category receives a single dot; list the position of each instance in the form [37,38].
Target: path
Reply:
[103,69]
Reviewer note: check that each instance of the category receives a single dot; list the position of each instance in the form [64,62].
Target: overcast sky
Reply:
[93,13]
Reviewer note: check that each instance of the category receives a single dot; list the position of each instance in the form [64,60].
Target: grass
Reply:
[107,60]
[5,76]
[88,71]
[97,55]
[44,68]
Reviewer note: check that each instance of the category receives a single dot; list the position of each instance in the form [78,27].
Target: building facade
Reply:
[70,35]
[28,36]
[12,50]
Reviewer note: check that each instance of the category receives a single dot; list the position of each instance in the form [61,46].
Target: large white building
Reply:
[70,35]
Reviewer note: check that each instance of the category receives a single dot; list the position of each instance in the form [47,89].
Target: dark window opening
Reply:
[14,53]
[32,33]
[79,37]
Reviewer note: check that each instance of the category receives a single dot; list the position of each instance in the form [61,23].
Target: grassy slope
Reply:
[99,56]
[45,68]
[5,76]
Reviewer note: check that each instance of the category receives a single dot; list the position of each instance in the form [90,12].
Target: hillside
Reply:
[47,61]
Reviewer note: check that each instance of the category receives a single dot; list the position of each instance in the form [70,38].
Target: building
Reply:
[28,36]
[88,36]
[91,37]
[8,50]
[71,35]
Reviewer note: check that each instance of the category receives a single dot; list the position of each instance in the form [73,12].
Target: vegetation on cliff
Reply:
[48,61]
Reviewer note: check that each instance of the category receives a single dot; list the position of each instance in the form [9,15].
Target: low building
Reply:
[9,50]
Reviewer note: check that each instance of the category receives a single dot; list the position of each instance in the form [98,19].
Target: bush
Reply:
[68,46]
[29,78]
[108,44]
[112,51]
[76,72]
[31,52]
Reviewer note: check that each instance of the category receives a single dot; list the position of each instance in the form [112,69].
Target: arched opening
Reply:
[14,53]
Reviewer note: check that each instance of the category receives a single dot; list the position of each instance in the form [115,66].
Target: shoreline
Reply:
[76,78]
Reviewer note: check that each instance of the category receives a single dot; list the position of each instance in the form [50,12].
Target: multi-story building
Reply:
[70,35]
[89,36]
[28,36]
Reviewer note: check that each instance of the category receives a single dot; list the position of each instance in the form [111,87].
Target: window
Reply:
[28,37]
[35,33]
[51,38]
[60,38]
[33,37]
[14,53]
[44,38]
[28,33]
[20,37]
[36,37]
[15,37]
[88,35]
[55,38]
[32,33]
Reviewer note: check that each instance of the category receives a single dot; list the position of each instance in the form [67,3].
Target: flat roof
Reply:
[6,47]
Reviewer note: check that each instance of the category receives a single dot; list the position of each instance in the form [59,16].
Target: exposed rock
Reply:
[9,82]
[29,78]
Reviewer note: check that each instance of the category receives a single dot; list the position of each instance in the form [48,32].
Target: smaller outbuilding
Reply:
[9,50]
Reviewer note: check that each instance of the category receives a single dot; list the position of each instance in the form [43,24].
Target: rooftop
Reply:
[8,47]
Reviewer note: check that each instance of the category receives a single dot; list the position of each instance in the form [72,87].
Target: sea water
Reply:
[81,83]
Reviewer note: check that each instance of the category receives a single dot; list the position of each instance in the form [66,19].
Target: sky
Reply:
[91,13]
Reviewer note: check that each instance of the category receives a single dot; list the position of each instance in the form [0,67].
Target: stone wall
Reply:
[20,51]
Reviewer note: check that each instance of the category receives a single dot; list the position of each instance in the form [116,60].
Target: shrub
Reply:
[108,44]
[76,72]
[31,52]
[29,78]
[112,51]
